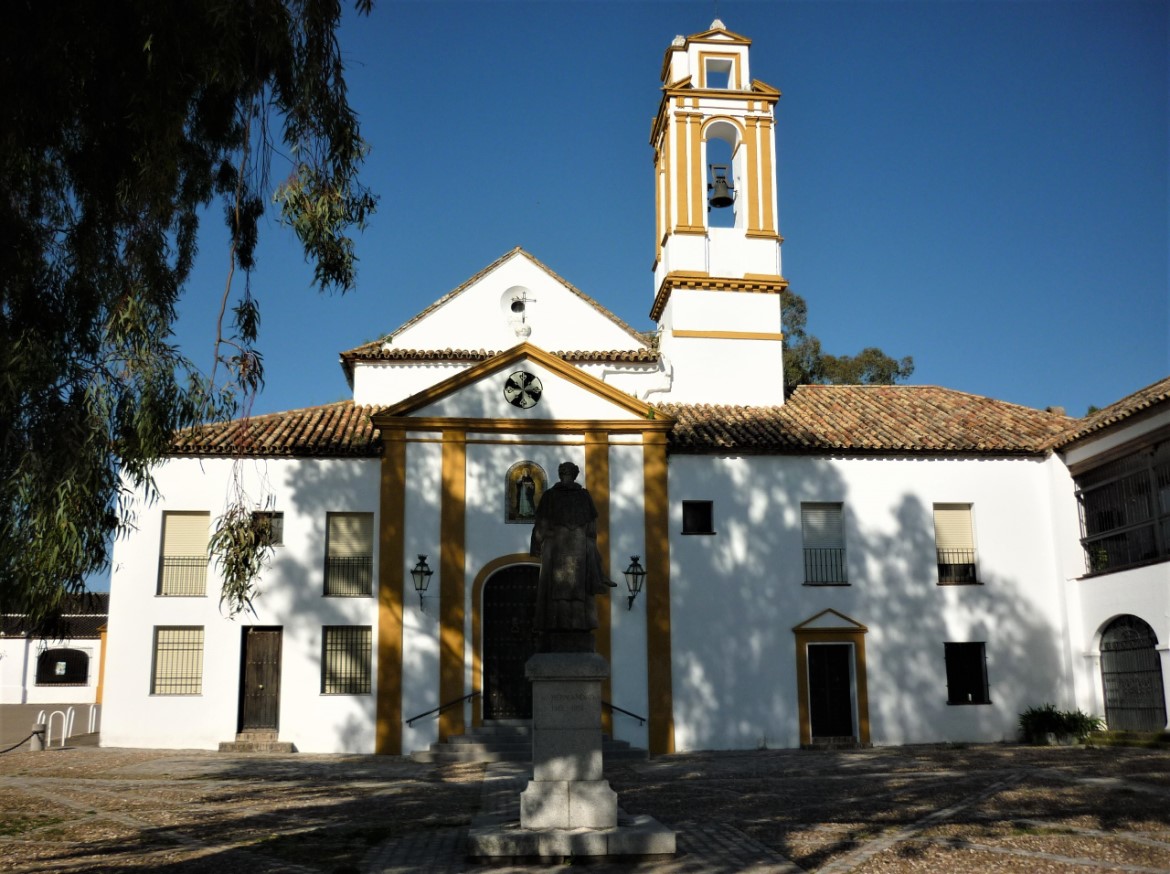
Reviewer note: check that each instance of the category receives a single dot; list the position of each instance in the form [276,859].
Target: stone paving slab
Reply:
[952,809]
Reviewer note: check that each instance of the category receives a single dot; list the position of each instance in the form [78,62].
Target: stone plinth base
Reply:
[640,837]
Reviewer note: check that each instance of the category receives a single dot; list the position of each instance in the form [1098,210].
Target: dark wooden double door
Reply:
[260,679]
[509,605]
[830,690]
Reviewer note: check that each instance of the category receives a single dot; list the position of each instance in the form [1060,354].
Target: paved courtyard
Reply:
[950,809]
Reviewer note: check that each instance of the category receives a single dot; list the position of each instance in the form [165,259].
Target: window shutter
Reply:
[823,526]
[185,533]
[351,534]
[952,526]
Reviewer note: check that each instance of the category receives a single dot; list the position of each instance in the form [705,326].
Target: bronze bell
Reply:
[721,193]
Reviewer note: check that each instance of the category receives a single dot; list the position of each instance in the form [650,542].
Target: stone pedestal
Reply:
[567,810]
[567,790]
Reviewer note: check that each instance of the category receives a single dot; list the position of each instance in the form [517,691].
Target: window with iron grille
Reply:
[182,567]
[966,673]
[823,529]
[269,526]
[349,554]
[955,544]
[345,663]
[1125,510]
[178,660]
[698,517]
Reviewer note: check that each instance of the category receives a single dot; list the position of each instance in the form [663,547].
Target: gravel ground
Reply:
[982,808]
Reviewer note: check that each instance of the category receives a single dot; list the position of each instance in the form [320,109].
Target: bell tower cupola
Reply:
[717,278]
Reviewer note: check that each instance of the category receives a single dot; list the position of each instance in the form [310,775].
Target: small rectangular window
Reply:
[698,517]
[955,544]
[966,673]
[345,662]
[717,73]
[823,529]
[270,526]
[349,554]
[178,661]
[183,562]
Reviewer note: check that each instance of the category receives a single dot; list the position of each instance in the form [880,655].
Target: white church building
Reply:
[845,565]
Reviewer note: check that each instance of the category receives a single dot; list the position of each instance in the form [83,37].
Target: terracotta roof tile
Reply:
[880,419]
[1142,399]
[376,352]
[333,430]
[817,418]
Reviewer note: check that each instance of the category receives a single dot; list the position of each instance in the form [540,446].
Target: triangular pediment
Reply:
[481,394]
[719,34]
[515,298]
[830,620]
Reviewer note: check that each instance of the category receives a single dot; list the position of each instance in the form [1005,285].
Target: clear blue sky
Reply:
[981,185]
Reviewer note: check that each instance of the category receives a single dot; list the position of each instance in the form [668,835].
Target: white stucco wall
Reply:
[290,596]
[736,596]
[18,672]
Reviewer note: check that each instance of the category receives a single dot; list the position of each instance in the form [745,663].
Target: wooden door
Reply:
[509,605]
[830,690]
[260,679]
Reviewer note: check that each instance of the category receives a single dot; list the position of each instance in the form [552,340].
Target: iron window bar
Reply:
[956,566]
[825,565]
[349,575]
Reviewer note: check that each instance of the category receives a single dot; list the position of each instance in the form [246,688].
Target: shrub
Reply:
[1036,723]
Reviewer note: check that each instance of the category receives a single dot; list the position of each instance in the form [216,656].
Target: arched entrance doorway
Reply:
[1131,674]
[509,602]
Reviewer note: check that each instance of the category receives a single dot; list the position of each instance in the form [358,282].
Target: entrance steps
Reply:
[256,741]
[505,740]
[848,742]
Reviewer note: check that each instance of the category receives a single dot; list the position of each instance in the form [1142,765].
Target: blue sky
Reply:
[981,185]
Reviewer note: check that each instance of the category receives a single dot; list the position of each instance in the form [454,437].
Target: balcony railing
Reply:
[825,566]
[182,575]
[956,566]
[349,575]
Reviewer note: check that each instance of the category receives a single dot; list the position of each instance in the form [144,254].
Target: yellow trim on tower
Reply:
[681,280]
[452,570]
[481,579]
[681,151]
[597,481]
[391,572]
[698,215]
[659,688]
[735,79]
[753,174]
[767,180]
[727,335]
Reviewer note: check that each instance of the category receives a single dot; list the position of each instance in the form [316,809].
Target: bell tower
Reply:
[717,283]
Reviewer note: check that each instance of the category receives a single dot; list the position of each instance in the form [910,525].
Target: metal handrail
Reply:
[441,707]
[641,719]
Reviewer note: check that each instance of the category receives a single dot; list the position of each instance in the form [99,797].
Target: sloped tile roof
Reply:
[81,616]
[877,419]
[377,352]
[335,430]
[816,419]
[1140,400]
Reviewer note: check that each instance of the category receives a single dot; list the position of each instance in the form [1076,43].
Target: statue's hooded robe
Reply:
[564,535]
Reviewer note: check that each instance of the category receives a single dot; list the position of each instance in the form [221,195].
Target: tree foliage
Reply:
[120,122]
[805,363]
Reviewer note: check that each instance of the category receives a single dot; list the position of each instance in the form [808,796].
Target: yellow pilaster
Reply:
[681,156]
[698,172]
[755,192]
[657,593]
[452,569]
[767,183]
[391,570]
[597,481]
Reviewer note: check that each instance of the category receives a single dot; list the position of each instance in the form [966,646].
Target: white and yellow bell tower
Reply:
[717,277]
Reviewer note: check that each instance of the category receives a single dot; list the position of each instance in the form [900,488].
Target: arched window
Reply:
[1131,673]
[724,156]
[62,667]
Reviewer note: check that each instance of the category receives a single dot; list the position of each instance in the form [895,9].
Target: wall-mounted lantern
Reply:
[635,577]
[421,573]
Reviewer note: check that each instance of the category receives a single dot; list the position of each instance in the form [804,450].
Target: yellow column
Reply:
[681,159]
[767,183]
[698,173]
[452,568]
[657,593]
[391,570]
[752,184]
[597,481]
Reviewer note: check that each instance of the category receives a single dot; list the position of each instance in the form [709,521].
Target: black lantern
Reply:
[635,577]
[422,578]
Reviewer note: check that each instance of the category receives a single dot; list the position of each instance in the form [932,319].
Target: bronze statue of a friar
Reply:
[564,535]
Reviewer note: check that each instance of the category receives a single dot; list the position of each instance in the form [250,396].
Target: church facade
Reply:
[846,565]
